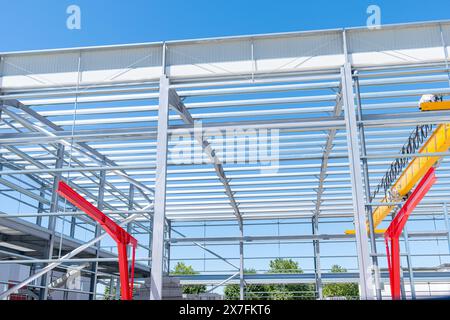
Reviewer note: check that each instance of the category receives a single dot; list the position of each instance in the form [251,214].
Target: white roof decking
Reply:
[227,57]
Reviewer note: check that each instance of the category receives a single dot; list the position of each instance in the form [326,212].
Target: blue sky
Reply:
[29,24]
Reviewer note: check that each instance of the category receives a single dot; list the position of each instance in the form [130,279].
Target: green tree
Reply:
[347,290]
[183,269]
[109,295]
[252,291]
[289,291]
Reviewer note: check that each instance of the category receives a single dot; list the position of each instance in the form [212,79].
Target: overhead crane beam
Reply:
[435,106]
[437,143]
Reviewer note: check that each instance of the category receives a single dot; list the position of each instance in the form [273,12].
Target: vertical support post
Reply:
[365,272]
[410,265]
[94,267]
[160,192]
[33,268]
[73,225]
[150,227]
[447,227]
[444,46]
[394,266]
[1,113]
[164,59]
[123,268]
[402,280]
[365,166]
[317,267]
[130,208]
[131,194]
[118,289]
[169,235]
[111,286]
[40,205]
[45,280]
[241,264]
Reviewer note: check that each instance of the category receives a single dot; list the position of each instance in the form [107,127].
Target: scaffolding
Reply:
[224,153]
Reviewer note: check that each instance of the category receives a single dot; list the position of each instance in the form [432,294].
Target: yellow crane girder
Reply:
[438,142]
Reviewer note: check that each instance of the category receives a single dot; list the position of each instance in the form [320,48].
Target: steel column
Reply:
[45,281]
[168,244]
[73,225]
[241,265]
[365,166]
[160,192]
[365,268]
[393,256]
[317,267]
[410,265]
[447,226]
[40,206]
[94,267]
[130,208]
[444,46]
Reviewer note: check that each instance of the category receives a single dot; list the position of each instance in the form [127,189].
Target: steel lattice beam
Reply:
[176,103]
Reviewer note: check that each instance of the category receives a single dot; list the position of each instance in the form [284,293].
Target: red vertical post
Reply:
[395,268]
[123,268]
[392,234]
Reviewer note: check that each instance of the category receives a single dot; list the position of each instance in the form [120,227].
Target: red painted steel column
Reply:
[392,234]
[119,235]
[395,268]
[123,268]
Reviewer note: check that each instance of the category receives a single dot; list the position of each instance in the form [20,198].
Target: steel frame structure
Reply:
[339,103]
